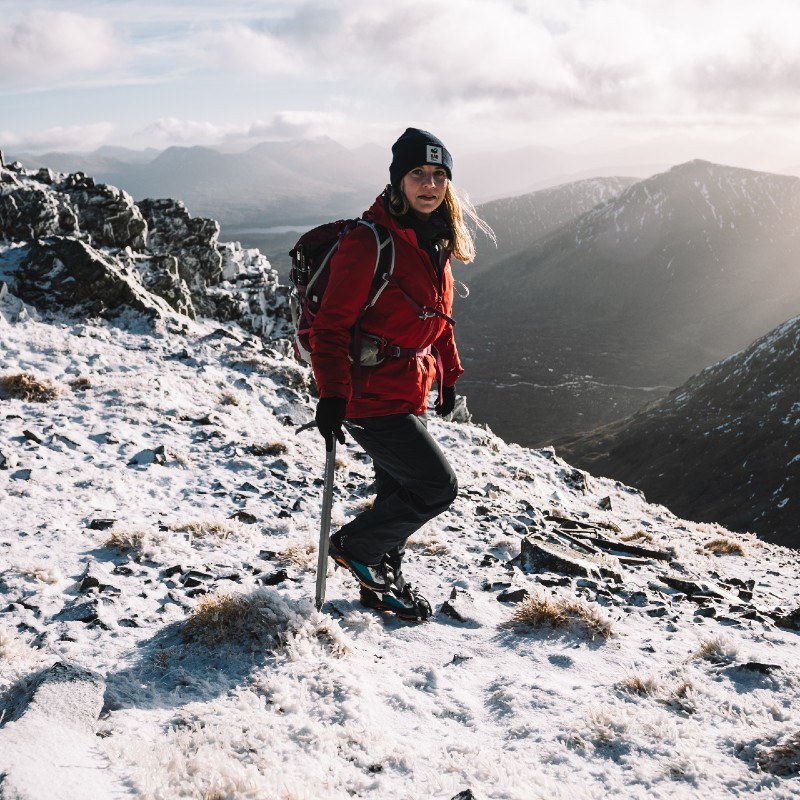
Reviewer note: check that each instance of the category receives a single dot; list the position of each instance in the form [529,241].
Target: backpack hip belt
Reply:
[383,350]
[391,351]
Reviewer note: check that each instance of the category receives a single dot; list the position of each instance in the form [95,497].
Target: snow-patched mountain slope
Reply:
[676,272]
[162,501]
[519,221]
[690,246]
[724,446]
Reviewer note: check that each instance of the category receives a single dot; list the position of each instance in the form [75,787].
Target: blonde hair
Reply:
[457,206]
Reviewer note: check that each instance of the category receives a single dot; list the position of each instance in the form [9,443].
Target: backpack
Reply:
[311,258]
[309,275]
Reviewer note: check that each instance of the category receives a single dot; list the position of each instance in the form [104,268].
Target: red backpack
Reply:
[311,258]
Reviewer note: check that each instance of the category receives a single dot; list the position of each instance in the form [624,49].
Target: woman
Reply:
[383,406]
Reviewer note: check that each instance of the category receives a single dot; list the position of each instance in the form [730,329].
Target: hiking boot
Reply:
[376,577]
[406,604]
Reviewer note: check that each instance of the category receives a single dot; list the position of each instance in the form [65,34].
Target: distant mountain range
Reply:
[301,182]
[724,447]
[629,299]
[602,295]
[274,183]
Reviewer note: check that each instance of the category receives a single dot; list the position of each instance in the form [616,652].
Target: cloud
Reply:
[534,56]
[359,70]
[66,139]
[284,125]
[170,131]
[45,46]
[243,48]
[298,125]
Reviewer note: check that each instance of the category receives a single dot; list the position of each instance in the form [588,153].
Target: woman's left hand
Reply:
[447,403]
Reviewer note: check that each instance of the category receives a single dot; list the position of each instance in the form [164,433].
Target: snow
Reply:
[345,702]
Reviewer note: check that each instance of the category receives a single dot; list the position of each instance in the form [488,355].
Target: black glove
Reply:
[329,417]
[447,403]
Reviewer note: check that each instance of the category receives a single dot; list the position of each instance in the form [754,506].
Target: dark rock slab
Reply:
[67,273]
[790,621]
[692,589]
[537,556]
[513,596]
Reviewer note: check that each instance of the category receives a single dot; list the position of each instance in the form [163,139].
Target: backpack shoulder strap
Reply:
[382,274]
[384,260]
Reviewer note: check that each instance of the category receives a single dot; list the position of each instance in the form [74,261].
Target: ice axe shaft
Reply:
[325,524]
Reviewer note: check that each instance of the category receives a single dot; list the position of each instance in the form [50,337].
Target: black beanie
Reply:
[415,148]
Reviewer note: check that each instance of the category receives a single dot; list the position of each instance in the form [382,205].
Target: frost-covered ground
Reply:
[168,471]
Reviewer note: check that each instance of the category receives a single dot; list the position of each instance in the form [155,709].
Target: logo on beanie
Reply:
[434,154]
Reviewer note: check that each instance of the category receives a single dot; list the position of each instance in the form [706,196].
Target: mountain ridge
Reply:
[722,447]
[643,290]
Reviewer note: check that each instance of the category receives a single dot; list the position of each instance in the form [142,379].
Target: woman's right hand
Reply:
[329,418]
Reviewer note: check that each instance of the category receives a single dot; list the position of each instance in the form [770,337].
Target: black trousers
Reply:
[414,483]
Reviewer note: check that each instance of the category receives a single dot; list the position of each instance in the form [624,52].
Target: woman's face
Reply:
[424,188]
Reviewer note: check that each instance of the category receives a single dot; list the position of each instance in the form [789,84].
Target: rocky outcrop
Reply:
[106,214]
[28,212]
[91,248]
[161,276]
[173,231]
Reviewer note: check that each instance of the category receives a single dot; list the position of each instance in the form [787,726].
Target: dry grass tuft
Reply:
[127,541]
[428,543]
[542,611]
[331,636]
[147,543]
[234,618]
[229,398]
[782,758]
[216,529]
[302,555]
[606,725]
[718,650]
[682,696]
[676,693]
[724,546]
[25,386]
[605,728]
[639,536]
[644,685]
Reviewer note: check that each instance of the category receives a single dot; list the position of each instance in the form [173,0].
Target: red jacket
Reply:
[398,385]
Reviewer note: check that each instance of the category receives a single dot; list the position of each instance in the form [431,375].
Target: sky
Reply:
[485,75]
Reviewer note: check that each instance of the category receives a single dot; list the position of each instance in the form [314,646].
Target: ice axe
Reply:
[325,524]
[325,519]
